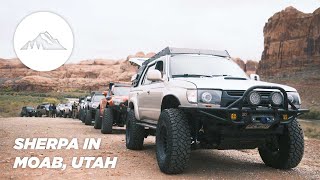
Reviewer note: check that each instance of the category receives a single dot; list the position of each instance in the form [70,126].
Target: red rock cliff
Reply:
[291,43]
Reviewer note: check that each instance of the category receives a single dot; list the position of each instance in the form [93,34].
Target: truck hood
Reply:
[224,83]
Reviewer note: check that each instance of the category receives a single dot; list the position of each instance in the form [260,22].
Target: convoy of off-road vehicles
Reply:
[199,99]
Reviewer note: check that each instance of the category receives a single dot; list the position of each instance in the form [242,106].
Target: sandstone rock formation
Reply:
[85,75]
[250,67]
[291,43]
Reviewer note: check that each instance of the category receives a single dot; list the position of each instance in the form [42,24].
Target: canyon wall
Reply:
[291,44]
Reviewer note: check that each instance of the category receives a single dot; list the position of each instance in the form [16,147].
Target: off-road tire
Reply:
[288,148]
[88,119]
[97,120]
[64,114]
[107,121]
[83,116]
[134,133]
[173,141]
[80,113]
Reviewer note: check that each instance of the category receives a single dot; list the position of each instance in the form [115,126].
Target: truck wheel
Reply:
[173,141]
[79,115]
[83,116]
[107,121]
[97,120]
[64,114]
[88,119]
[134,133]
[284,151]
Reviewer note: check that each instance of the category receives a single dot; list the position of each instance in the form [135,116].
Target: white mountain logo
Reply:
[43,41]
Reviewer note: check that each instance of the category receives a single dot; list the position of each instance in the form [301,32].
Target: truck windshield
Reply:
[121,91]
[204,66]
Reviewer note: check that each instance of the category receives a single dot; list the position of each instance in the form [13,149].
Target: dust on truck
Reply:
[194,98]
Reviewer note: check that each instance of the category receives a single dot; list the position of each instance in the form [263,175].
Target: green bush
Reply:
[313,114]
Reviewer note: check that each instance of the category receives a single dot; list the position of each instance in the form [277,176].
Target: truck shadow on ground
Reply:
[222,162]
[118,131]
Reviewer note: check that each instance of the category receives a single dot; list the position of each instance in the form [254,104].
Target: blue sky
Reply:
[115,29]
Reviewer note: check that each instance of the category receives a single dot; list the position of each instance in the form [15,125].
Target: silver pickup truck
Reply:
[194,98]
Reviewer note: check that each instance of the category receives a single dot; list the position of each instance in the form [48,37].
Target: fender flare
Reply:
[135,105]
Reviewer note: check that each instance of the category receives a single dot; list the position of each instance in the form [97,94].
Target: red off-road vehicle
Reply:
[113,109]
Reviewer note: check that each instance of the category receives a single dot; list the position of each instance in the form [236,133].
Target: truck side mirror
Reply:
[154,75]
[255,77]
[89,99]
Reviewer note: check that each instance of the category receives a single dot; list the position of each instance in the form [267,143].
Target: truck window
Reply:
[145,80]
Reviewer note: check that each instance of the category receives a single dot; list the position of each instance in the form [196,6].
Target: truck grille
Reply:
[240,93]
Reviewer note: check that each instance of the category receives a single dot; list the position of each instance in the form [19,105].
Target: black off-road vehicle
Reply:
[92,106]
[27,111]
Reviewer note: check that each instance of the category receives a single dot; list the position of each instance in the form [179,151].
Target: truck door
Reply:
[150,98]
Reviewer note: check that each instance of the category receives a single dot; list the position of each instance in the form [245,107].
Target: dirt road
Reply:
[204,164]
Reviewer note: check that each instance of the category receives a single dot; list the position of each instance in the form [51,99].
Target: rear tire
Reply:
[80,113]
[83,116]
[173,141]
[134,133]
[284,151]
[107,121]
[97,120]
[88,119]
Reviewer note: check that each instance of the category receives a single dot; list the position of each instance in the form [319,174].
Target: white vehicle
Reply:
[67,110]
[60,110]
[193,98]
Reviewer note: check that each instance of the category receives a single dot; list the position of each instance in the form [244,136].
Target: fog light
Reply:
[233,116]
[254,98]
[276,98]
[285,117]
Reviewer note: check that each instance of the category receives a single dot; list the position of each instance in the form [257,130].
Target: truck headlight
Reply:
[210,96]
[206,97]
[294,98]
[192,96]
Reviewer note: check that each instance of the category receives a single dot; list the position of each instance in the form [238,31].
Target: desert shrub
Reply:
[313,114]
[311,128]
[51,100]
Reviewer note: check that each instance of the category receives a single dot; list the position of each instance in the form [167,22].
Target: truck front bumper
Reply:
[237,114]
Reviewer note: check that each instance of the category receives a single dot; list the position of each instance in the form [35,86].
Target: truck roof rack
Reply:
[171,50]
